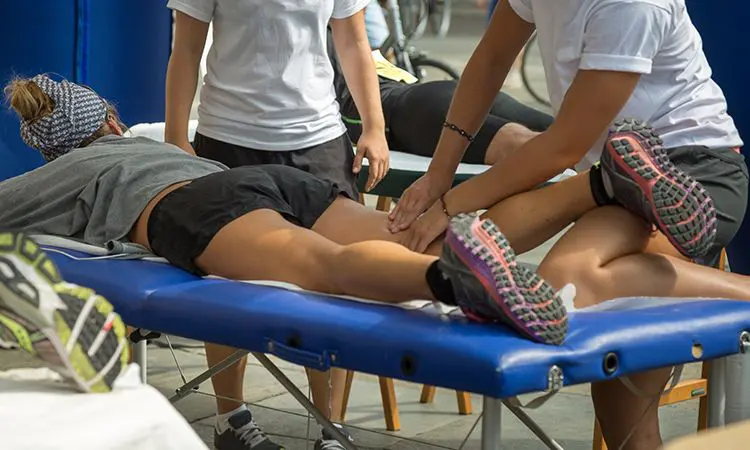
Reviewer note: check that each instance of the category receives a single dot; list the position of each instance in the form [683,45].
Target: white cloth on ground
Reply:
[38,412]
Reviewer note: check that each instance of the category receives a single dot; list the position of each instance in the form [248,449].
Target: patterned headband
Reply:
[78,113]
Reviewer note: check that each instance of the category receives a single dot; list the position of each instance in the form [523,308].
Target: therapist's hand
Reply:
[422,194]
[373,146]
[428,227]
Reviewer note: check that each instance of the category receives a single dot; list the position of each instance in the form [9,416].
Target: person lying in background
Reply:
[415,112]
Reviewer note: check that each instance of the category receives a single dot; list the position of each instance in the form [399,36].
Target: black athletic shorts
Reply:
[415,114]
[330,161]
[183,223]
[724,174]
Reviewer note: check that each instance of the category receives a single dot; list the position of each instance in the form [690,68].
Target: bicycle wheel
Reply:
[440,16]
[532,73]
[427,69]
[413,17]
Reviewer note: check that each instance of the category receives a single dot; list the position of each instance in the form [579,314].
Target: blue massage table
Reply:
[321,331]
[384,340]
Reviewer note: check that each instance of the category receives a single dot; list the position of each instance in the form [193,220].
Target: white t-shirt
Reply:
[269,82]
[655,38]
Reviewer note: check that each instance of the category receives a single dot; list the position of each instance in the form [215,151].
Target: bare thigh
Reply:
[262,245]
[598,239]
[348,222]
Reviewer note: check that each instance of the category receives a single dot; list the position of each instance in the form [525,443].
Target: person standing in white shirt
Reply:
[606,61]
[268,98]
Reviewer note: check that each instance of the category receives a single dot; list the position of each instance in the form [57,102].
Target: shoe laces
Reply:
[250,433]
[330,444]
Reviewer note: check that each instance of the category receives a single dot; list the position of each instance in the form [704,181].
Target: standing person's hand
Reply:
[422,194]
[187,147]
[374,147]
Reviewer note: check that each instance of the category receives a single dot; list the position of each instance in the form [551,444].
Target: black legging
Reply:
[415,114]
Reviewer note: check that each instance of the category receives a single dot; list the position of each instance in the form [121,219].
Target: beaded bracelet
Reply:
[458,130]
[445,207]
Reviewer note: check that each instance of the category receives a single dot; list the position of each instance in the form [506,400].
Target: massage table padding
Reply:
[384,340]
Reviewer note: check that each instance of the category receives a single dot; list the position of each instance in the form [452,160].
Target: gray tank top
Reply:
[96,193]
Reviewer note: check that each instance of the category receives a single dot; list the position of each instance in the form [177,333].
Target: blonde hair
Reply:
[28,100]
[32,103]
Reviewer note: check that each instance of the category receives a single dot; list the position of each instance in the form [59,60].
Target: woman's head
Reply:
[57,117]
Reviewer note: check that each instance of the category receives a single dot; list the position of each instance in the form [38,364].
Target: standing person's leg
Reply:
[331,161]
[229,384]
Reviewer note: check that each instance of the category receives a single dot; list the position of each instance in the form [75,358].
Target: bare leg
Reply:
[229,383]
[307,259]
[601,255]
[530,218]
[345,222]
[507,140]
[609,247]
[328,395]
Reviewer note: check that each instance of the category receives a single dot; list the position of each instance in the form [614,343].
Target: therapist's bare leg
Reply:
[530,218]
[602,254]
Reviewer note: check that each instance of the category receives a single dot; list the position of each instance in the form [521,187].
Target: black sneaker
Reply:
[73,330]
[490,286]
[243,434]
[327,442]
[647,183]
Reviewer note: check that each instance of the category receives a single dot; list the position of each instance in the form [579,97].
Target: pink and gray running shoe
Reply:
[491,287]
[647,183]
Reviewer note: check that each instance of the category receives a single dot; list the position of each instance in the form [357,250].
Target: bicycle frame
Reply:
[397,39]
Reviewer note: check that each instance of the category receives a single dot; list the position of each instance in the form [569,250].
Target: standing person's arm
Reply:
[191,28]
[480,82]
[353,49]
[615,55]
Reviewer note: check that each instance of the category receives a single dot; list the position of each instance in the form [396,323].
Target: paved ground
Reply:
[569,414]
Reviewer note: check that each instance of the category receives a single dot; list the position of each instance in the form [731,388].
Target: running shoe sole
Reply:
[679,205]
[521,297]
[88,337]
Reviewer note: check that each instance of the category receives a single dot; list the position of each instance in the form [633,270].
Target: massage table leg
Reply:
[491,423]
[304,401]
[347,391]
[140,357]
[428,394]
[384,203]
[192,385]
[716,393]
[598,442]
[533,426]
[703,402]
[464,399]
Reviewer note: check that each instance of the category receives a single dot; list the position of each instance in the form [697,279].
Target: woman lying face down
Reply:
[250,223]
